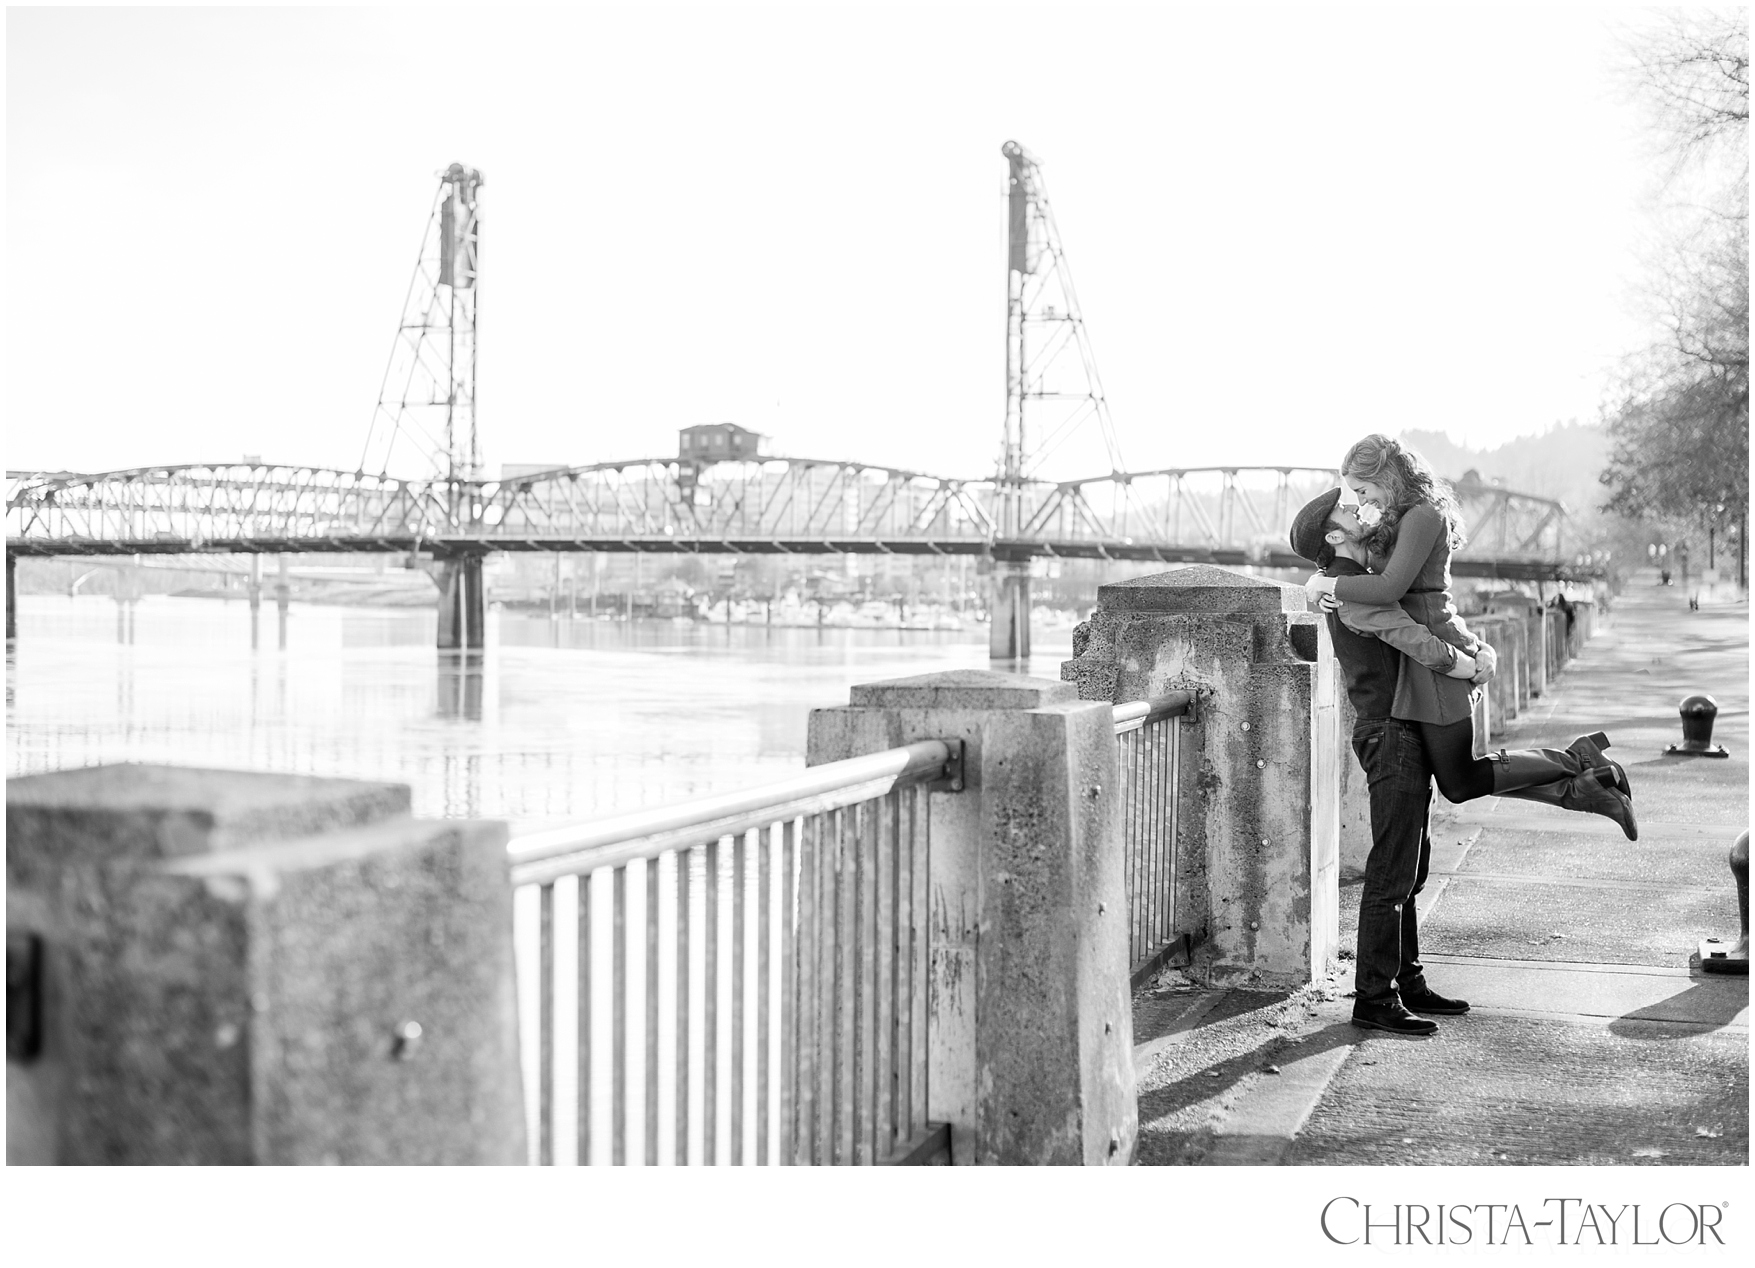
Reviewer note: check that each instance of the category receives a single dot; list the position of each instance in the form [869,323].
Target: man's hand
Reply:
[1316,587]
[1328,603]
[1486,664]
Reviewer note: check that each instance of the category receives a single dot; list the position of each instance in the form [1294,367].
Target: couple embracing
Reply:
[1412,670]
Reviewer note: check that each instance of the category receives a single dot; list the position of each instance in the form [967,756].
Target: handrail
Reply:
[541,857]
[1137,713]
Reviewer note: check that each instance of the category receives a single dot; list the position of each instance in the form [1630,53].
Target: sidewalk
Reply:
[1589,1042]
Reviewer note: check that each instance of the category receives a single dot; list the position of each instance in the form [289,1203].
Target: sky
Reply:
[1288,227]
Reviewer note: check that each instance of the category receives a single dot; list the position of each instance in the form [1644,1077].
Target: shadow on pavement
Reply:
[1704,1006]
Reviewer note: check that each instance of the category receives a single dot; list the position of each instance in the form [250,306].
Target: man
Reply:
[1370,642]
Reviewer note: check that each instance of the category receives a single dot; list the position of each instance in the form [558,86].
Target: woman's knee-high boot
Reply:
[1589,750]
[1559,778]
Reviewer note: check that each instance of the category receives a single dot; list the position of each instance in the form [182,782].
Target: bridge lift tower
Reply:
[1052,392]
[427,400]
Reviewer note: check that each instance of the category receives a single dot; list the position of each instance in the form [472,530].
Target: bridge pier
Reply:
[462,604]
[11,597]
[1008,634]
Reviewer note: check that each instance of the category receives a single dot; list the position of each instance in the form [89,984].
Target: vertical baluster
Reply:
[1136,833]
[684,889]
[847,993]
[1148,839]
[583,1107]
[1136,882]
[829,916]
[920,954]
[866,1084]
[905,917]
[545,1012]
[797,1030]
[650,984]
[764,966]
[619,1029]
[884,975]
[1173,795]
[737,971]
[1165,730]
[710,1018]
[1148,901]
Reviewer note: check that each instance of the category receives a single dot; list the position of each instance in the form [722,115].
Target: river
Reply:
[559,720]
[562,719]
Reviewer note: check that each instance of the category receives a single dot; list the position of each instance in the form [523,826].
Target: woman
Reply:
[1412,524]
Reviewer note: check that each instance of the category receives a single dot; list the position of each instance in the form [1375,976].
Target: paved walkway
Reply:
[1589,1042]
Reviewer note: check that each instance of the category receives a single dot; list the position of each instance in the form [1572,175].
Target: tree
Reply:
[1679,429]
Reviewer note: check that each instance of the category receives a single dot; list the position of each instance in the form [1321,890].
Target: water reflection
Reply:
[461,676]
[556,720]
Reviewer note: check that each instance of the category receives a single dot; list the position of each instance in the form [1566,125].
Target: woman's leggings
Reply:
[1451,751]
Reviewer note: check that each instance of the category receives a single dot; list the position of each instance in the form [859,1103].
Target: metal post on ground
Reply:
[1717,956]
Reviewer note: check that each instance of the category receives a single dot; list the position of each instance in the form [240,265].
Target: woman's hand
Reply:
[1316,587]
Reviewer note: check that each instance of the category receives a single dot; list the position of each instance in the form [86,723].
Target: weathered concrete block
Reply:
[1029,1012]
[250,968]
[1259,832]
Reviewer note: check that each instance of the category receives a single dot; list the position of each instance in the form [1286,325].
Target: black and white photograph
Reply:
[583,589]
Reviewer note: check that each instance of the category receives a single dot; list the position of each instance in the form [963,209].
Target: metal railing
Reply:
[747,971]
[1148,736]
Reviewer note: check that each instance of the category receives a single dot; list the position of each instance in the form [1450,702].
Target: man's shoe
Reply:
[1394,1018]
[1432,1003]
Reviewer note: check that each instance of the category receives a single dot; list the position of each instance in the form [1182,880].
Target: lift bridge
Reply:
[452,517]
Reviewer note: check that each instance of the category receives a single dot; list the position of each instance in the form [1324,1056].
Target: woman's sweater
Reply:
[1417,575]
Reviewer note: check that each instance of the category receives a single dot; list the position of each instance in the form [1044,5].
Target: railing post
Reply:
[1260,831]
[234,967]
[1029,1015]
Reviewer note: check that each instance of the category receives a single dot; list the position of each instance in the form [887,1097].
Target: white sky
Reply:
[1288,226]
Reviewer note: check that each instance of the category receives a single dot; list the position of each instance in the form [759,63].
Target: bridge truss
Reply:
[1227,515]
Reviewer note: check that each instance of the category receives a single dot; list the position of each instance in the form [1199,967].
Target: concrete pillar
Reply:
[246,968]
[1028,1012]
[1537,634]
[462,604]
[1355,798]
[1008,636]
[1259,827]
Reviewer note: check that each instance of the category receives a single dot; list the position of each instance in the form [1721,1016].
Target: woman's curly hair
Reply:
[1408,480]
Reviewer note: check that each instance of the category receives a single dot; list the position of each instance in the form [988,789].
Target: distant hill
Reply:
[1562,463]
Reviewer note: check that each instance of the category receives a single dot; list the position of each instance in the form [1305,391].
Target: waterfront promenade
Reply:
[1589,1042]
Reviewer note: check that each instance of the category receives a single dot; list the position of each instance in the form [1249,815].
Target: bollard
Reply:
[1698,713]
[1715,956]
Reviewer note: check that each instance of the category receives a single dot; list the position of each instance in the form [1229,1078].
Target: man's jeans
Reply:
[1400,782]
